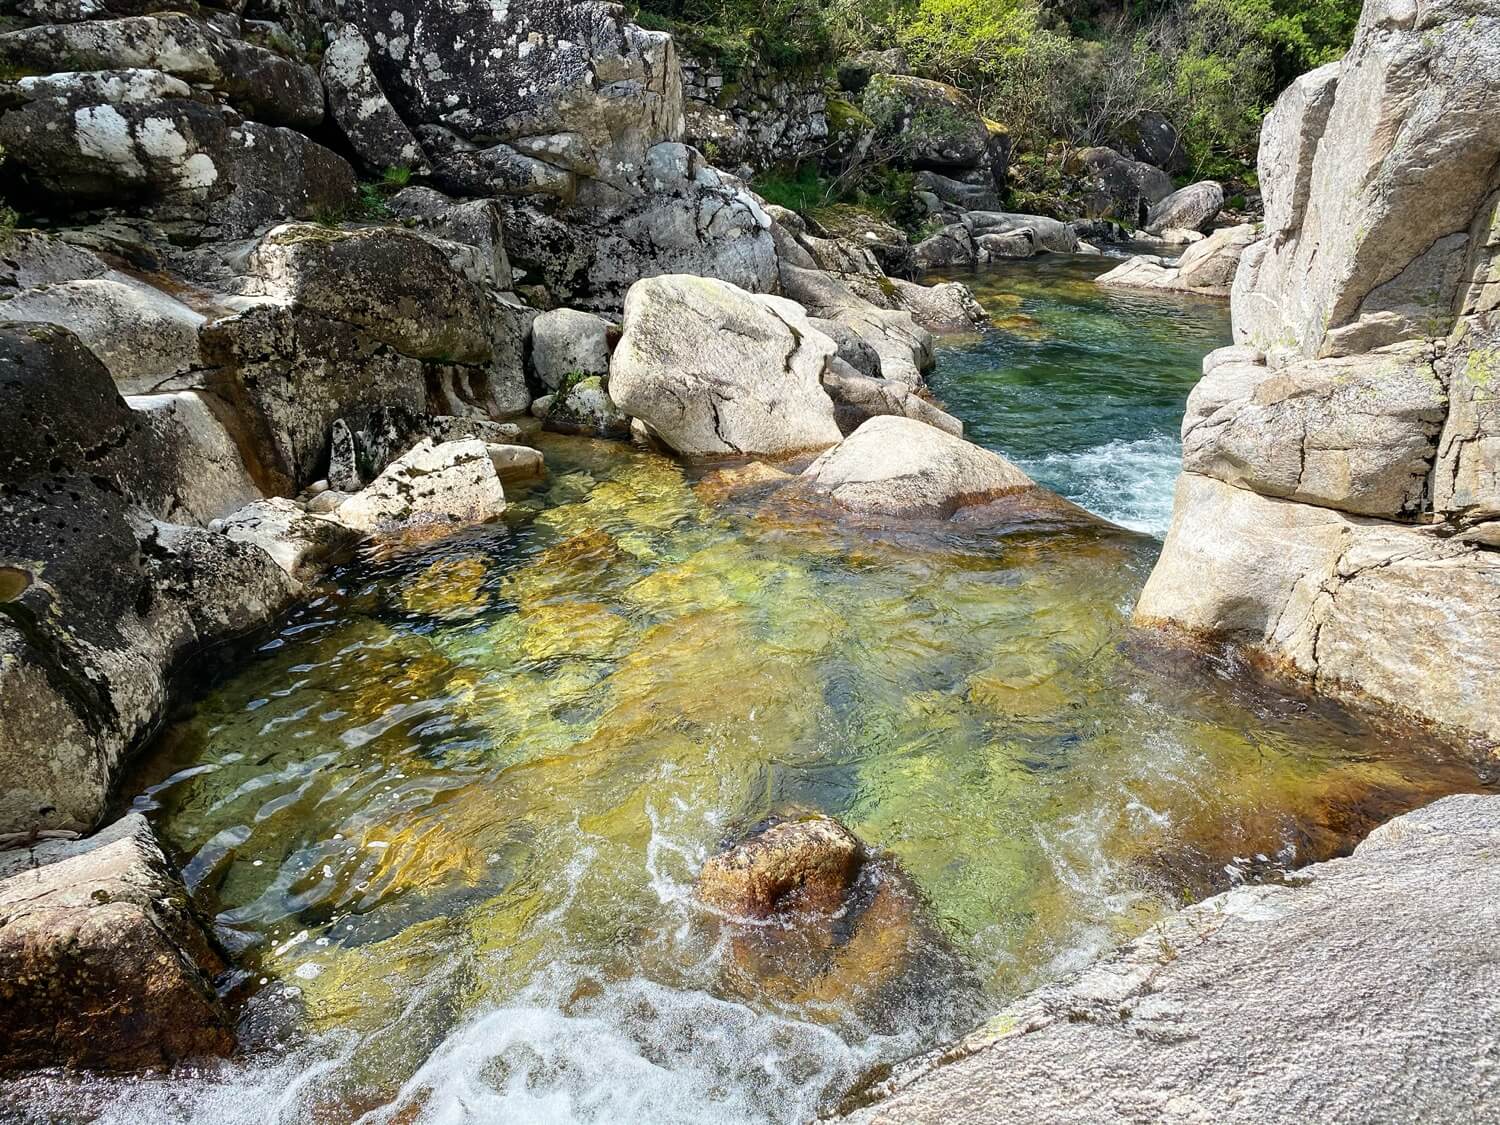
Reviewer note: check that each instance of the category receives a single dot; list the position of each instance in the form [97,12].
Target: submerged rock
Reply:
[102,962]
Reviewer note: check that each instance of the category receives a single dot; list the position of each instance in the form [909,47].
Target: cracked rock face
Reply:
[1358,434]
[1339,511]
[368,120]
[525,74]
[712,369]
[1241,1009]
[1374,172]
[1389,612]
[101,595]
[256,81]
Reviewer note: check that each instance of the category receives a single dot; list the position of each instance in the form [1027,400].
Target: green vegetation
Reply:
[871,197]
[1075,71]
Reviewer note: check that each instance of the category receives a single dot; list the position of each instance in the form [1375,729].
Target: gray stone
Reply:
[369,122]
[258,82]
[438,487]
[538,70]
[1191,208]
[1364,609]
[174,158]
[145,337]
[1117,187]
[31,258]
[901,468]
[713,369]
[1358,434]
[566,342]
[1207,266]
[301,542]
[858,398]
[1373,200]
[582,407]
[1049,234]
[1361,989]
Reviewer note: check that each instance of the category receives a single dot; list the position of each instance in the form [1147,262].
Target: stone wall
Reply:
[758,119]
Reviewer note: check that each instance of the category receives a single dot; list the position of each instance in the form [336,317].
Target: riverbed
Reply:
[448,817]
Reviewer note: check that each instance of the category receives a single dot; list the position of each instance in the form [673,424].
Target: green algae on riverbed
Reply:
[449,818]
[479,780]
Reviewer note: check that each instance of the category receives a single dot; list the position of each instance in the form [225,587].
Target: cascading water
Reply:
[449,818]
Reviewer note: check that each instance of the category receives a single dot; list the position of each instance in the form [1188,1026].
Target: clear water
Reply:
[1083,386]
[449,817]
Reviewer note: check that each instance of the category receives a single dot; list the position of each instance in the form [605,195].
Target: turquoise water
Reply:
[449,817]
[1083,387]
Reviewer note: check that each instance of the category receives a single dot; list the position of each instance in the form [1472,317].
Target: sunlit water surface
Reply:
[448,819]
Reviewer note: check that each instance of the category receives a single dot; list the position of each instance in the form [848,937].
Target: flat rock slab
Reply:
[1366,990]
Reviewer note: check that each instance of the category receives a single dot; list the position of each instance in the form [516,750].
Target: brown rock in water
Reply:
[804,865]
[102,963]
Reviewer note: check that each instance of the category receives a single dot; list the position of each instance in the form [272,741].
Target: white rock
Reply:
[454,483]
[713,369]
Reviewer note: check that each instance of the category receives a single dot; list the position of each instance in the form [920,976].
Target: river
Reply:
[449,816]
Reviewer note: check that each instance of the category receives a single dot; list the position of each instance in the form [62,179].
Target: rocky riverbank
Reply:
[1362,989]
[307,278]
[1338,510]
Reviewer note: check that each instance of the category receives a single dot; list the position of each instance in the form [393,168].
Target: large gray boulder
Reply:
[903,345]
[359,106]
[713,369]
[439,487]
[1358,434]
[102,961]
[1378,184]
[688,218]
[258,82]
[574,86]
[1191,208]
[901,468]
[1367,609]
[144,336]
[1117,187]
[355,324]
[1207,266]
[102,594]
[75,143]
[932,125]
[566,342]
[1381,231]
[1362,989]
[1150,138]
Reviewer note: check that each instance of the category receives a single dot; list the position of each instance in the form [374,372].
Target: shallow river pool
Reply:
[449,817]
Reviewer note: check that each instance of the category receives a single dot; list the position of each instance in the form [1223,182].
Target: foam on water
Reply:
[1127,481]
[1082,387]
